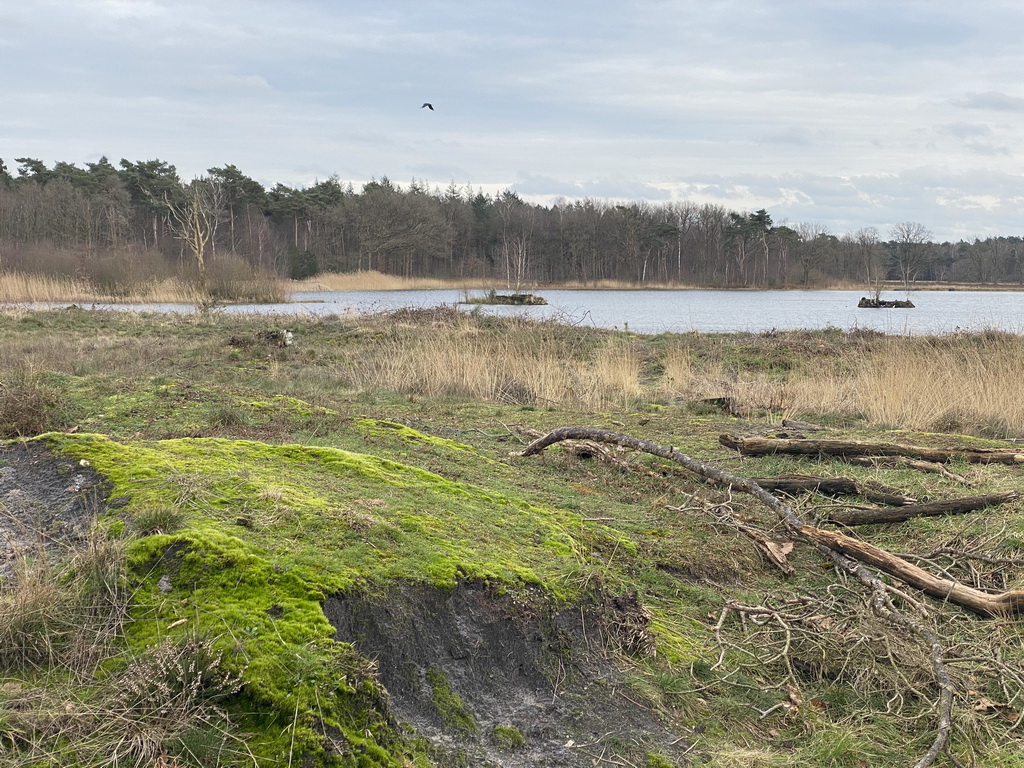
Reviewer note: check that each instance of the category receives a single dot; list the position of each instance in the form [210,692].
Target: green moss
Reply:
[508,738]
[271,625]
[379,428]
[654,760]
[282,403]
[341,518]
[449,706]
[317,521]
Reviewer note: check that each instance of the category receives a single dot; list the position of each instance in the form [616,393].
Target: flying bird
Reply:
[428,104]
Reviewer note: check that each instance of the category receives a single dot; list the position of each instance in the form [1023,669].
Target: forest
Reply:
[111,224]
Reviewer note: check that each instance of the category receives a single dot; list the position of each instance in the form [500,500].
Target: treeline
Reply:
[138,218]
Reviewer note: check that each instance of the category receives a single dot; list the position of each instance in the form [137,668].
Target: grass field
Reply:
[376,451]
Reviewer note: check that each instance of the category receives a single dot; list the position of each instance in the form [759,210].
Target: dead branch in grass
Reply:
[929,509]
[919,465]
[881,599]
[835,486]
[763,446]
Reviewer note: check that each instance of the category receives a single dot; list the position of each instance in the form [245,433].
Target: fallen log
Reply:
[839,545]
[1007,604]
[930,509]
[982,603]
[763,446]
[834,486]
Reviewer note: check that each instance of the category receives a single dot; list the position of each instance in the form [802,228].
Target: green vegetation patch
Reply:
[297,679]
[449,706]
[379,428]
[242,541]
[280,404]
[340,518]
[508,738]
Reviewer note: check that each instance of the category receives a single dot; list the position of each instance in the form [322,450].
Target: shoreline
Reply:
[342,284]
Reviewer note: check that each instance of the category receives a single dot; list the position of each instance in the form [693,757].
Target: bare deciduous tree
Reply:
[909,241]
[194,218]
[518,220]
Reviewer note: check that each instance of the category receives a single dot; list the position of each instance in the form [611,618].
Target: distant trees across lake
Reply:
[107,222]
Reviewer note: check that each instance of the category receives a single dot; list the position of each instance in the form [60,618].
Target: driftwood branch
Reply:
[930,509]
[1009,603]
[773,549]
[762,446]
[834,486]
[984,604]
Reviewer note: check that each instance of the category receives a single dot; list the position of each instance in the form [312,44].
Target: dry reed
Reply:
[19,287]
[958,383]
[371,280]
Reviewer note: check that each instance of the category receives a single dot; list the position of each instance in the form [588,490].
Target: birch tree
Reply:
[193,219]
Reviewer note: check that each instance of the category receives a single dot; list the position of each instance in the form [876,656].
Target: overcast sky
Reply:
[845,114]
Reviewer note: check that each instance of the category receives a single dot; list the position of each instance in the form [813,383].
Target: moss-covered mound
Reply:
[367,612]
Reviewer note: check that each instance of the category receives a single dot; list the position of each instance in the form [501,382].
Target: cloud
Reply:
[964,130]
[990,100]
[850,113]
[543,189]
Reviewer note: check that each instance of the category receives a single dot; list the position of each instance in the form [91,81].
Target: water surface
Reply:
[709,311]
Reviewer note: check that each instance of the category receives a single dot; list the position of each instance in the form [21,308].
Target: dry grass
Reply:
[226,285]
[957,383]
[29,404]
[533,364]
[69,695]
[964,383]
[371,280]
[21,287]
[63,617]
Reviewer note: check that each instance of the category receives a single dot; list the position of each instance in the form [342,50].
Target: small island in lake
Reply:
[876,303]
[518,299]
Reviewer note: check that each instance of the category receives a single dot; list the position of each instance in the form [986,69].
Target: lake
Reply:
[936,312]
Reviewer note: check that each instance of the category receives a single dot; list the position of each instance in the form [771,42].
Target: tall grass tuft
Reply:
[63,616]
[30,404]
[499,361]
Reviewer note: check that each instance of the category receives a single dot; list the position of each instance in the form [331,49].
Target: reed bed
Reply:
[532,364]
[968,383]
[242,285]
[957,383]
[371,280]
[961,383]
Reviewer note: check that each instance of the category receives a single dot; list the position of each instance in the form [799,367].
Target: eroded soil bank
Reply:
[502,681]
[46,502]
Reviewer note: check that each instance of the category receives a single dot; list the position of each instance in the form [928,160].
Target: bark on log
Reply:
[834,486]
[763,446]
[930,509]
[982,603]
[836,544]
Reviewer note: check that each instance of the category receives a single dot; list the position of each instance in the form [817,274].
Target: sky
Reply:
[843,114]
